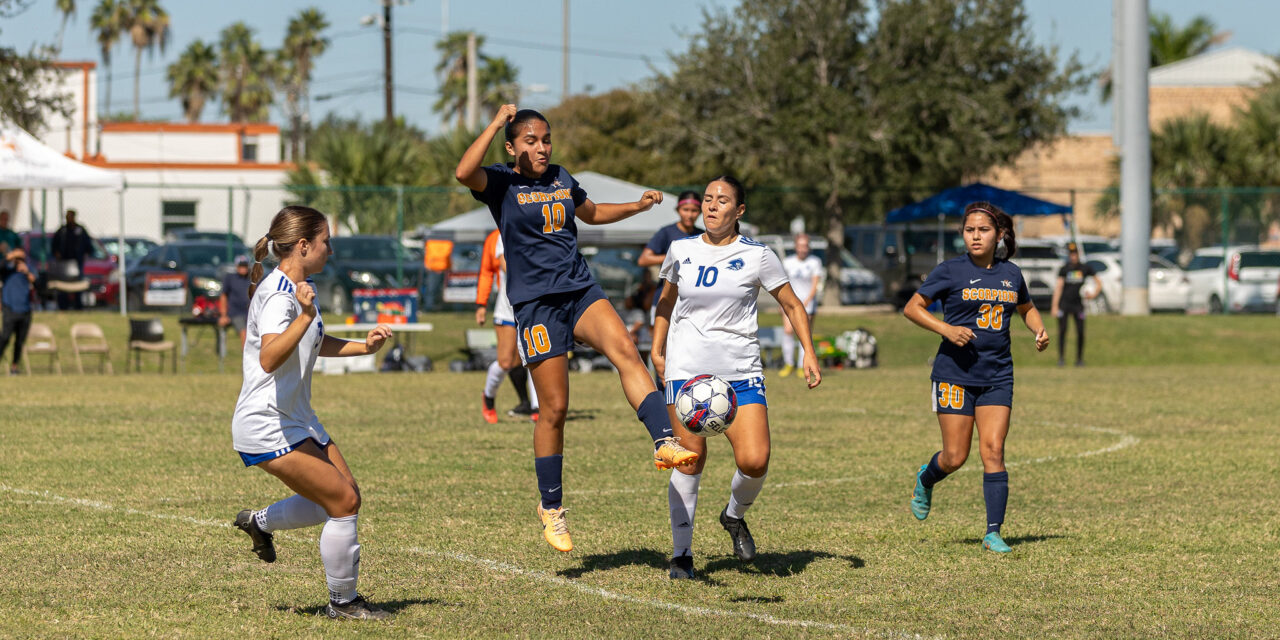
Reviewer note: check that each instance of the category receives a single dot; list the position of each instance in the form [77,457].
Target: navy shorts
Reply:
[959,399]
[749,391]
[544,325]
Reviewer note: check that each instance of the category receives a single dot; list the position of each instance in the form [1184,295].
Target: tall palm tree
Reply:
[68,9]
[148,27]
[247,73]
[303,43]
[108,24]
[1171,43]
[495,78]
[194,78]
[497,84]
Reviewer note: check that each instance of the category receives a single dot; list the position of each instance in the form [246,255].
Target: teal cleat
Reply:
[921,498]
[993,542]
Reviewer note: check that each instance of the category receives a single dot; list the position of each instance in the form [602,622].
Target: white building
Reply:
[177,174]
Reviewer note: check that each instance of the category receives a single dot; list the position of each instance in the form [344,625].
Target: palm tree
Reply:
[495,78]
[148,26]
[1171,43]
[107,23]
[247,73]
[302,44]
[68,9]
[497,84]
[194,77]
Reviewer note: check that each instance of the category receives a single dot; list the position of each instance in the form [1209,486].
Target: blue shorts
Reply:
[961,399]
[544,325]
[750,391]
[251,459]
[503,323]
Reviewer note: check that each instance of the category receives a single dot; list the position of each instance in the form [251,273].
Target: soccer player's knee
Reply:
[508,361]
[754,465]
[992,452]
[952,460]
[347,504]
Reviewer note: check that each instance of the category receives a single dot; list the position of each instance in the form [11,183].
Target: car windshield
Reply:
[1098,266]
[466,257]
[1259,259]
[927,242]
[1036,252]
[1204,262]
[204,255]
[369,249]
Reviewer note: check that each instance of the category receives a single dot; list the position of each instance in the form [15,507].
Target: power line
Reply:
[602,53]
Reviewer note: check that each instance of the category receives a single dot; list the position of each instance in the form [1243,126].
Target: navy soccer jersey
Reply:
[985,301]
[535,217]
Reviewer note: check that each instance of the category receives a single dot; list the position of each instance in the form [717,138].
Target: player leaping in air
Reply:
[556,301]
[973,371]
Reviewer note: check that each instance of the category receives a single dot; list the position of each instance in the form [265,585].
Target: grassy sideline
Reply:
[1139,504]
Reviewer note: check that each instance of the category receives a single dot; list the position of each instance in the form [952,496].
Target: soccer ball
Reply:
[706,405]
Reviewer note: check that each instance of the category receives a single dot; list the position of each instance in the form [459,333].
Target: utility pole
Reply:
[564,53]
[473,99]
[1135,161]
[386,61]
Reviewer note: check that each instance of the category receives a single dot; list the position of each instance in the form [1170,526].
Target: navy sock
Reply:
[933,474]
[519,377]
[995,490]
[549,469]
[653,413]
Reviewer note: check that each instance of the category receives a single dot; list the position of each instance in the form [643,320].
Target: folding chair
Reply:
[87,338]
[40,341]
[147,334]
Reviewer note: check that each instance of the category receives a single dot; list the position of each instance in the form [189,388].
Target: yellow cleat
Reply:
[785,371]
[555,528]
[671,454]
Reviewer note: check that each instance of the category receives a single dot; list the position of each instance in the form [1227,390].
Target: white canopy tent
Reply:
[474,225]
[26,163]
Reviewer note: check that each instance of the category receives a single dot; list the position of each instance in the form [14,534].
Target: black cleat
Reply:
[358,609]
[262,543]
[744,546]
[522,409]
[681,568]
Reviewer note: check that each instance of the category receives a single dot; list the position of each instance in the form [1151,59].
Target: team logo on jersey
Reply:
[557,183]
[736,264]
[687,261]
[1007,283]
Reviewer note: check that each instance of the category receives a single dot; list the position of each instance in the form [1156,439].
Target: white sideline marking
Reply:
[504,567]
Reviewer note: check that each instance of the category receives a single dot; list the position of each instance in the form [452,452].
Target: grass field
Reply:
[1141,505]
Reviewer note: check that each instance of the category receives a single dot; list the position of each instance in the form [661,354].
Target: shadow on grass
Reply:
[783,564]
[390,606]
[1017,540]
[616,560]
[578,414]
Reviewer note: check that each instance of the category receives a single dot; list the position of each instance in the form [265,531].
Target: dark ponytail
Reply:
[1003,223]
[290,225]
[739,193]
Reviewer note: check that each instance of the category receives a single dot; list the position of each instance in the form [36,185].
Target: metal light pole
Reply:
[473,97]
[564,52]
[1135,163]
[388,96]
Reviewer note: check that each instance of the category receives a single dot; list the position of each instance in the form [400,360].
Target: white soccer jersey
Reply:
[801,273]
[502,306]
[713,326]
[274,409]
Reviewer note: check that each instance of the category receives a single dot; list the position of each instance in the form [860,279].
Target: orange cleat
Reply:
[490,414]
[555,528]
[534,416]
[670,454]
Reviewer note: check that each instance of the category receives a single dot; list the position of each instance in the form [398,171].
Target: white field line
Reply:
[503,567]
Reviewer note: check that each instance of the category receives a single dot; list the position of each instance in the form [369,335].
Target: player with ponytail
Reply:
[972,378]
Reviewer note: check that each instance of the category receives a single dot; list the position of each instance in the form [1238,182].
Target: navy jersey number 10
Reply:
[706,276]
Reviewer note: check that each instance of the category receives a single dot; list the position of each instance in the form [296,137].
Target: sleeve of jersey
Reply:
[772,275]
[278,311]
[1024,296]
[670,270]
[497,179]
[937,283]
[576,191]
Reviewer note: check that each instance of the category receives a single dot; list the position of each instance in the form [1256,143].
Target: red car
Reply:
[99,268]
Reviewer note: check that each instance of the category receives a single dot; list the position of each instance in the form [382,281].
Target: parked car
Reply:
[1088,244]
[205,264]
[366,262]
[1167,284]
[99,268]
[614,269]
[902,255]
[1039,262]
[135,248]
[1244,281]
[858,284]
[176,235]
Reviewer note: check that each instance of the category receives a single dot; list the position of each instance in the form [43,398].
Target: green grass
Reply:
[1142,504]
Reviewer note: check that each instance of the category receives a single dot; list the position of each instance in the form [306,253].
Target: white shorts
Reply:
[255,440]
[503,313]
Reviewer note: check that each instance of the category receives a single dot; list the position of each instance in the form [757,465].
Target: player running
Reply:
[274,426]
[556,301]
[494,265]
[706,323]
[804,270]
[973,371]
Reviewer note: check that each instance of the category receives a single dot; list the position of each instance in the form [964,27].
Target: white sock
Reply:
[533,394]
[341,556]
[493,379]
[800,352]
[682,500]
[294,512]
[788,349]
[743,492]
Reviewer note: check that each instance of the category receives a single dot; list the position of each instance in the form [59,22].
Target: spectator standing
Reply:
[8,239]
[1068,304]
[71,242]
[233,306]
[804,270]
[15,302]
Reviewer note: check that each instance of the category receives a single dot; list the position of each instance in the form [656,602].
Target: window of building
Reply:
[249,149]
[177,214]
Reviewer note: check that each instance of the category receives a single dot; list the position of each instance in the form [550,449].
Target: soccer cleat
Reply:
[522,409]
[681,568]
[490,415]
[262,542]
[668,454]
[358,609]
[555,528]
[534,416]
[921,498]
[993,542]
[744,546]
[786,371]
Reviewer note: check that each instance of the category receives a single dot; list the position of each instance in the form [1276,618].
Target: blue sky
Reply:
[615,44]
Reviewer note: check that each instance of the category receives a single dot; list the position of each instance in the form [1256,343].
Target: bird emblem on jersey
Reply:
[736,264]
[1006,283]
[557,183]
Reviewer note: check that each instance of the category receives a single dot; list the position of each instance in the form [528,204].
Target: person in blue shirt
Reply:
[973,371]
[15,301]
[535,205]
[688,207]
